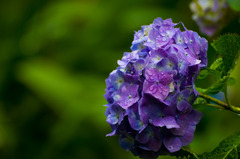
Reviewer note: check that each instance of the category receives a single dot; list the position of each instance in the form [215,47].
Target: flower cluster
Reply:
[209,15]
[151,92]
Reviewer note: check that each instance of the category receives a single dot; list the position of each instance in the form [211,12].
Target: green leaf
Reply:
[228,46]
[218,86]
[185,153]
[200,90]
[204,73]
[234,4]
[227,149]
[231,81]
[200,101]
[218,62]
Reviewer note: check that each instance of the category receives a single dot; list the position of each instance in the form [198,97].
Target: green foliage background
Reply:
[54,59]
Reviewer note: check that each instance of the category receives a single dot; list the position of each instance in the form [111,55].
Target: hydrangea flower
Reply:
[209,15]
[150,94]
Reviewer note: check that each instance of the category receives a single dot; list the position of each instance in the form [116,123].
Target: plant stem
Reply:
[226,96]
[220,104]
[215,106]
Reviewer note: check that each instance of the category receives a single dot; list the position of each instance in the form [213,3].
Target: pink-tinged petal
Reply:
[173,144]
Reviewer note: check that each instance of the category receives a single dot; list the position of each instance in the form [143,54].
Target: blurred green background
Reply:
[54,59]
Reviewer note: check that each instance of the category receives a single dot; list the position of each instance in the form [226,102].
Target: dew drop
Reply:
[149,73]
[170,148]
[238,114]
[151,88]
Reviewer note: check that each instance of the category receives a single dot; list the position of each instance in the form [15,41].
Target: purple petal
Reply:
[162,41]
[170,110]
[153,34]
[143,137]
[179,39]
[170,122]
[158,91]
[134,118]
[194,117]
[158,21]
[112,119]
[183,127]
[183,105]
[188,136]
[114,132]
[155,144]
[157,121]
[151,74]
[150,87]
[150,108]
[168,22]
[127,95]
[157,55]
[191,58]
[165,77]
[126,142]
[173,144]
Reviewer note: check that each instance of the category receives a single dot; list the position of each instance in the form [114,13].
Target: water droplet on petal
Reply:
[170,148]
[151,87]
[149,73]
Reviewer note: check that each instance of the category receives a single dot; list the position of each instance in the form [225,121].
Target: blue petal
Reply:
[126,142]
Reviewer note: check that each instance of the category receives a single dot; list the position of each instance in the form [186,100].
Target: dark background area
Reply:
[54,59]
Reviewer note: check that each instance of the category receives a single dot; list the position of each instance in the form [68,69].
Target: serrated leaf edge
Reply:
[230,151]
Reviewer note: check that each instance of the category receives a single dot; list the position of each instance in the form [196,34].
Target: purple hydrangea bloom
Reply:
[150,94]
[209,15]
